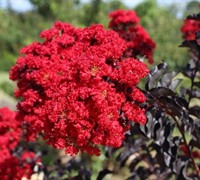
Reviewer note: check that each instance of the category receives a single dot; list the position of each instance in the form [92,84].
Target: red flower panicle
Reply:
[122,17]
[77,88]
[9,133]
[189,28]
[194,153]
[125,23]
[12,166]
[15,168]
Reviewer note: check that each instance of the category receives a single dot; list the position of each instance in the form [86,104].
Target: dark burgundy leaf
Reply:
[180,170]
[166,80]
[171,107]
[195,111]
[195,93]
[194,143]
[156,128]
[197,84]
[181,102]
[194,16]
[166,146]
[155,75]
[103,173]
[196,131]
[162,91]
[167,130]
[189,44]
[192,66]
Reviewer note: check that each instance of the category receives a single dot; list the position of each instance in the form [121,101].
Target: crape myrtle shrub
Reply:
[78,90]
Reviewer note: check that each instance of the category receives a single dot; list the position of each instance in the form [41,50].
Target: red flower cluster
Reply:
[9,133]
[125,23]
[11,166]
[77,89]
[195,153]
[15,168]
[189,28]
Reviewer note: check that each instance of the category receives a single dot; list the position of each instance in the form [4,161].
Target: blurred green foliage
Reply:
[20,29]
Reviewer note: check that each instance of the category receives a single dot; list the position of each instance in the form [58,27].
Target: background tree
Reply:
[99,14]
[163,26]
[192,7]
[57,10]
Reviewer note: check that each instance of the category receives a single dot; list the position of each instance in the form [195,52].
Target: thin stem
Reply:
[187,146]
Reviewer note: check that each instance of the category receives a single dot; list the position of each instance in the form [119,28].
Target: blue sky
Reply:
[19,5]
[24,5]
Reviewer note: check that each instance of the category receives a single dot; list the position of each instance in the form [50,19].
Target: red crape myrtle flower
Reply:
[12,166]
[15,168]
[10,133]
[189,28]
[125,23]
[195,153]
[77,90]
